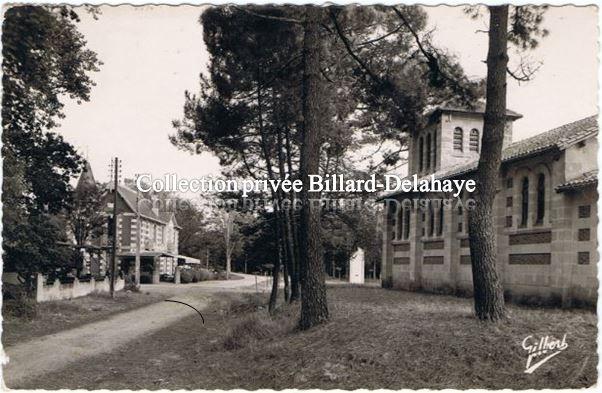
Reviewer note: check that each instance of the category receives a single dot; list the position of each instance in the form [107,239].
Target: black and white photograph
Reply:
[237,196]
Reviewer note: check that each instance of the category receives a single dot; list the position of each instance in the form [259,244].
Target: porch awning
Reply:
[189,260]
[147,254]
[153,254]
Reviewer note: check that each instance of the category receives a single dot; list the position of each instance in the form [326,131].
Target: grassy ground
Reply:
[375,339]
[54,316]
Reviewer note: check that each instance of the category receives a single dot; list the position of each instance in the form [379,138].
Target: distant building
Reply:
[159,234]
[356,267]
[545,212]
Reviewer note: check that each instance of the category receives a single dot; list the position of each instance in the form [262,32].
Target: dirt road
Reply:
[55,351]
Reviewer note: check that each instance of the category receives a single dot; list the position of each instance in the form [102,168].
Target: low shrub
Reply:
[146,278]
[205,275]
[17,303]
[250,329]
[186,276]
[132,287]
[196,276]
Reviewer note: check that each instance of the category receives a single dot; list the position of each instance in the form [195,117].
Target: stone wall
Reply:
[58,291]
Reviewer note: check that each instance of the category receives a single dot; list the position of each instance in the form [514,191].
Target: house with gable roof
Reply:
[146,221]
[545,212]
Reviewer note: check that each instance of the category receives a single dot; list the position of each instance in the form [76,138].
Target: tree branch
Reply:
[277,18]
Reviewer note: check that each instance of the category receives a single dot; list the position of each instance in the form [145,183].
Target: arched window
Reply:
[474,140]
[524,202]
[431,219]
[435,150]
[458,138]
[428,151]
[406,225]
[421,154]
[440,227]
[460,218]
[541,198]
[399,222]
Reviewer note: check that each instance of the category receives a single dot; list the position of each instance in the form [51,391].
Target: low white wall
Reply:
[58,291]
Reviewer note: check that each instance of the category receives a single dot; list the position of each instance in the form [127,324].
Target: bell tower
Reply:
[451,138]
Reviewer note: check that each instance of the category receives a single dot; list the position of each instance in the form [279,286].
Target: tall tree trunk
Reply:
[265,148]
[286,243]
[314,308]
[488,291]
[293,238]
[275,275]
[285,275]
[228,266]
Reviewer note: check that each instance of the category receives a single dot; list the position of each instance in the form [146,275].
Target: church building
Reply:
[545,212]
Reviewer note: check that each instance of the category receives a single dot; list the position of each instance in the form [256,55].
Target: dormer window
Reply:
[474,140]
[458,139]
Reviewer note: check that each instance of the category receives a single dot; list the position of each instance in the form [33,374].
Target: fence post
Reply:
[75,289]
[39,287]
[177,276]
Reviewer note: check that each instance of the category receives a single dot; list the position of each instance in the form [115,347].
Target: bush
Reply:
[221,275]
[249,330]
[131,286]
[196,276]
[17,303]
[186,276]
[205,275]
[146,278]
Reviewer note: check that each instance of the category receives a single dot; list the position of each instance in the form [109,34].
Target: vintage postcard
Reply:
[292,196]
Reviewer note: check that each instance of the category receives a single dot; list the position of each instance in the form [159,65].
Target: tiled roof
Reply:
[560,137]
[478,108]
[86,179]
[584,180]
[166,216]
[146,211]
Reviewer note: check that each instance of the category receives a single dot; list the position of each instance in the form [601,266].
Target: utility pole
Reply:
[114,245]
[138,229]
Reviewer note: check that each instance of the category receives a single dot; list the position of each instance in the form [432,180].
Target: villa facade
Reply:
[159,235]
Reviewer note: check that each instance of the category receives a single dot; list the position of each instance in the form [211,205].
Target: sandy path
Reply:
[55,351]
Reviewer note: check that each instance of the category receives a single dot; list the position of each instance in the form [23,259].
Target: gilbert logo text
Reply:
[541,350]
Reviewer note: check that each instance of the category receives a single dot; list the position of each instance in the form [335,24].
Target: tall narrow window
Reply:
[460,219]
[440,227]
[458,138]
[406,226]
[524,202]
[421,154]
[428,151]
[541,198]
[399,219]
[431,219]
[435,150]
[474,140]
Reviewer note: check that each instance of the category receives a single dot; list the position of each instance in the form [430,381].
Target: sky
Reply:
[152,54]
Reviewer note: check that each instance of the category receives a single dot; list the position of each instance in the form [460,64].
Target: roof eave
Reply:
[576,187]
